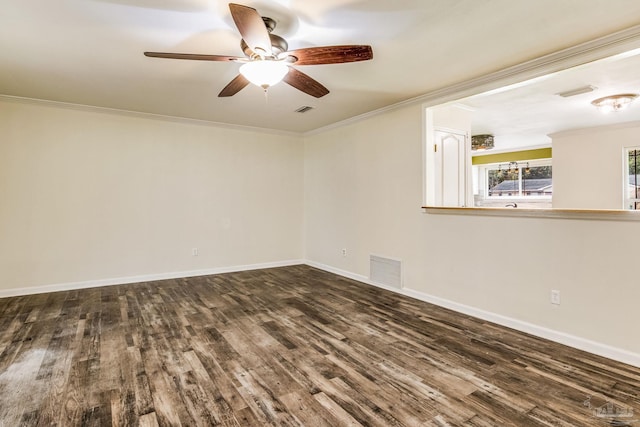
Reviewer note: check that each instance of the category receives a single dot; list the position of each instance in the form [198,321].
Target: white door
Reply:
[450,168]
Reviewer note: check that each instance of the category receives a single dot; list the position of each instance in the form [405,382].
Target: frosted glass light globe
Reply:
[264,73]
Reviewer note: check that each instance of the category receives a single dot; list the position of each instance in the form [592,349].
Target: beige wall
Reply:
[588,166]
[363,192]
[93,195]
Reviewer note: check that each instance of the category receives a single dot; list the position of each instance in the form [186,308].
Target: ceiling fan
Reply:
[268,59]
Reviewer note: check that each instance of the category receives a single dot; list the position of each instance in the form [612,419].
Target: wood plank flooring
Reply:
[291,346]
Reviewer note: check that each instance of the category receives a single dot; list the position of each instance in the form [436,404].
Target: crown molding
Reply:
[142,115]
[603,47]
[589,130]
[600,48]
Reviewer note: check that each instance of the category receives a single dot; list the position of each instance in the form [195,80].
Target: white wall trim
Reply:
[57,287]
[591,129]
[603,47]
[600,48]
[347,274]
[139,114]
[551,213]
[579,343]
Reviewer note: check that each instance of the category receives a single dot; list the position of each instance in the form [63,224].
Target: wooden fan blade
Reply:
[331,54]
[234,86]
[306,84]
[194,56]
[252,28]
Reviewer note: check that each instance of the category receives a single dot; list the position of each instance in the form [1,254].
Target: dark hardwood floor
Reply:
[287,346]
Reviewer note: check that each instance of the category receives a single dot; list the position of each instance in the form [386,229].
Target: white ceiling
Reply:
[89,52]
[526,113]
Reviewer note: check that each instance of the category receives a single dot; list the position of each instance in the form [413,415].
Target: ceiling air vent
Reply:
[577,91]
[304,109]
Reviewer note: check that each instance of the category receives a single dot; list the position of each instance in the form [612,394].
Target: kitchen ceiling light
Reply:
[481,142]
[611,103]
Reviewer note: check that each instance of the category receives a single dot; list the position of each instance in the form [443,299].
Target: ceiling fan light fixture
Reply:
[264,73]
[611,103]
[267,56]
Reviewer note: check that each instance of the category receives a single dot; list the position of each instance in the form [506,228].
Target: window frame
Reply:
[485,168]
[630,203]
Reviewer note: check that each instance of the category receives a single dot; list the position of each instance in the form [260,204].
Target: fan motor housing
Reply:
[278,44]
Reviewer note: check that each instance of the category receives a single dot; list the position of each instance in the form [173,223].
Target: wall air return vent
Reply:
[385,271]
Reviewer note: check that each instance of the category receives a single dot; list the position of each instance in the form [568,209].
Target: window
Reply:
[632,193]
[527,182]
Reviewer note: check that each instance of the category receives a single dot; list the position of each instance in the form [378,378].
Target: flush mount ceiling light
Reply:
[611,103]
[265,73]
[481,142]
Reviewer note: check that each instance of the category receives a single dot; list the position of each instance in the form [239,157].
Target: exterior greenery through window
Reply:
[522,183]
[519,180]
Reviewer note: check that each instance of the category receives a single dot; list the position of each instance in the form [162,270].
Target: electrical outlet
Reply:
[194,251]
[344,251]
[555,297]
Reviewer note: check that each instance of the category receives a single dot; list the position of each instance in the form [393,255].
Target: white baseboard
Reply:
[4,293]
[343,273]
[593,347]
